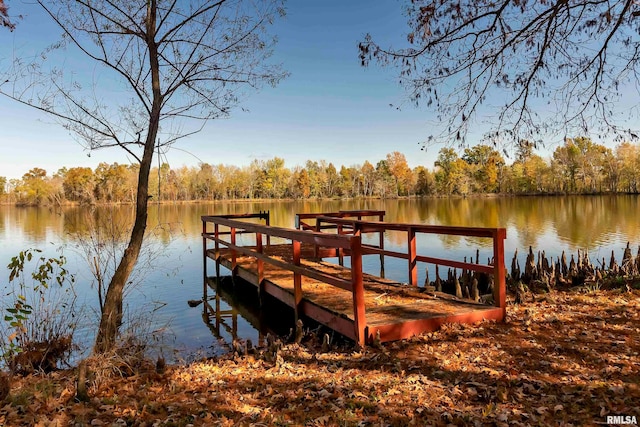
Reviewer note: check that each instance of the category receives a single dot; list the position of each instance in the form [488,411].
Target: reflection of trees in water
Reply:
[449,241]
[588,222]
[479,242]
[35,222]
[578,221]
[396,238]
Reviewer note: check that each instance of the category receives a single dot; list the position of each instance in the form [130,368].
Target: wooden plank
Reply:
[339,283]
[261,215]
[338,323]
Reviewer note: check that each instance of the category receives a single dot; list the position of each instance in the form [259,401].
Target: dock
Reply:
[289,264]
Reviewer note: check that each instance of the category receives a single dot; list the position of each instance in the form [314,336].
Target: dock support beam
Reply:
[297,280]
[357,285]
[260,268]
[204,265]
[500,287]
[413,264]
[234,260]
[216,234]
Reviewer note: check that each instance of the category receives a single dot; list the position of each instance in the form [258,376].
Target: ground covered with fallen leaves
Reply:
[561,359]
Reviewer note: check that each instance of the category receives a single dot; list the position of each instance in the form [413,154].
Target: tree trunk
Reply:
[111,318]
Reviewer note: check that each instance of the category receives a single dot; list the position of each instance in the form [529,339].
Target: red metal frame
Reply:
[356,330]
[498,235]
[409,328]
[297,278]
[346,241]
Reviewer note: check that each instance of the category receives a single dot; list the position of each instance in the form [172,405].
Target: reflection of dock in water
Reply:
[230,303]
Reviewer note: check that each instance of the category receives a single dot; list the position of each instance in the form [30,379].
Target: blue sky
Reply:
[330,108]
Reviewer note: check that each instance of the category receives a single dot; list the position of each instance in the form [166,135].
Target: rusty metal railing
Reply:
[235,225]
[359,227]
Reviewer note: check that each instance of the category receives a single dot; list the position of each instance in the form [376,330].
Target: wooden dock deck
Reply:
[360,306]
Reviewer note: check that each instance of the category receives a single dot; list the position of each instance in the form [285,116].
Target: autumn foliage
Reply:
[563,358]
[5,21]
[579,166]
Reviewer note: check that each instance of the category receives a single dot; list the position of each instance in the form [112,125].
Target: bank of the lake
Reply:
[566,359]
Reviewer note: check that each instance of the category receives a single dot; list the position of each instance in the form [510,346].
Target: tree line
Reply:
[579,166]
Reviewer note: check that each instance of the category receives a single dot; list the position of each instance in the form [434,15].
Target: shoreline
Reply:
[319,199]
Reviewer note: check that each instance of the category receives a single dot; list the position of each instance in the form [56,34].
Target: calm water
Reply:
[172,264]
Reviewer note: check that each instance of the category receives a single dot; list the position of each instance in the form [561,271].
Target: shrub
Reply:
[39,313]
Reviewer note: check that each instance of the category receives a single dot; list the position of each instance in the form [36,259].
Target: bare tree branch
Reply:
[153,82]
[548,67]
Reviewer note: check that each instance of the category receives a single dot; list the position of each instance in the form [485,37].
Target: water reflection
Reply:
[578,221]
[233,312]
[553,224]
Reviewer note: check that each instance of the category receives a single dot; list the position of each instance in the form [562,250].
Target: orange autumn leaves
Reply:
[564,358]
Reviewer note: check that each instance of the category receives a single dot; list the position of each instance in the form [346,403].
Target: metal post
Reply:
[233,253]
[216,234]
[357,289]
[297,279]
[413,265]
[260,268]
[499,290]
[381,235]
[204,265]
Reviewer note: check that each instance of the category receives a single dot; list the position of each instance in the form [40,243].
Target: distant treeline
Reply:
[579,166]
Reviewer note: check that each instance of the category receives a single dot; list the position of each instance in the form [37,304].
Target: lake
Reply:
[171,266]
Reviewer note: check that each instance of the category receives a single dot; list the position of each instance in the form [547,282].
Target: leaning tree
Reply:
[539,67]
[164,68]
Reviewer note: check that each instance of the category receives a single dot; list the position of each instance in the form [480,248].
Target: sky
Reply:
[329,108]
